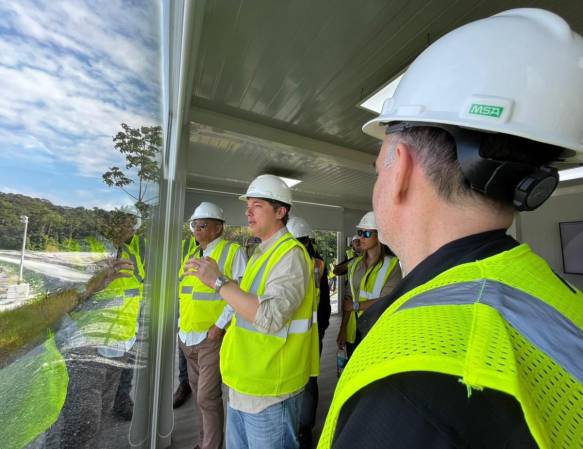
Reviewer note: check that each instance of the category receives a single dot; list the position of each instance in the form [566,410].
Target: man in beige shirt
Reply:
[273,317]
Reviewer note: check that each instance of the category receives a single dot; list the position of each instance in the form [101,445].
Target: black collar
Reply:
[464,250]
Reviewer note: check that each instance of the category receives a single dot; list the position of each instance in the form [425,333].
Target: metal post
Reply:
[23,219]
[341,245]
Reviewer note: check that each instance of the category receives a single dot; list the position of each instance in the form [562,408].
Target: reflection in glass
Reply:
[81,130]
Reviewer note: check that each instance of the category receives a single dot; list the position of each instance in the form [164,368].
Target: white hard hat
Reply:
[208,210]
[518,73]
[130,210]
[269,187]
[367,222]
[299,227]
[133,210]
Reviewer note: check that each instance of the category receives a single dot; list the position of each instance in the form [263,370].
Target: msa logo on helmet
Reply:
[486,110]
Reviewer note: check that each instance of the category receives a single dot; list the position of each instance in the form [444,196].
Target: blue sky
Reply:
[71,72]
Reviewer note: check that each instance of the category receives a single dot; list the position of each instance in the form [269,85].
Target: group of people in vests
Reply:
[254,324]
[480,344]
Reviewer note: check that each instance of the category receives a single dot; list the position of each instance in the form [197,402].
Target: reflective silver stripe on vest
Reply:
[244,324]
[293,327]
[116,301]
[542,325]
[187,290]
[223,258]
[379,282]
[132,292]
[206,296]
[254,288]
[366,295]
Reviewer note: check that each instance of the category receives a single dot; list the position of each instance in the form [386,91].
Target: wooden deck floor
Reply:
[187,418]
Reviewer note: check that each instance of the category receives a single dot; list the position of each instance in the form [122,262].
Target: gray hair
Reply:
[435,150]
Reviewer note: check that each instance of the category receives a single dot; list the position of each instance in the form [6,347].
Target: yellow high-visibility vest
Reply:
[200,306]
[370,287]
[274,364]
[506,322]
[188,248]
[111,315]
[33,389]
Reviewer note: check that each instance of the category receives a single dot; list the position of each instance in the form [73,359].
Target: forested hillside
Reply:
[50,227]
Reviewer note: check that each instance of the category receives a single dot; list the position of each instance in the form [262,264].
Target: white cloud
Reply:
[73,71]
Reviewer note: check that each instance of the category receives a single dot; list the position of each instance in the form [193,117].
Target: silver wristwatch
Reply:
[221,280]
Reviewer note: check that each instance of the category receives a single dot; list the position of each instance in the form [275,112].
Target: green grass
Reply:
[31,322]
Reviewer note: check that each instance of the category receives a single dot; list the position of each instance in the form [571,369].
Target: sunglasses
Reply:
[366,234]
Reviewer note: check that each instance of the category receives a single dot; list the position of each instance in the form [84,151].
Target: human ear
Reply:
[280,212]
[402,165]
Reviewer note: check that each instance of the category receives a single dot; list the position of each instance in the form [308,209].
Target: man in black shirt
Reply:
[430,410]
[454,357]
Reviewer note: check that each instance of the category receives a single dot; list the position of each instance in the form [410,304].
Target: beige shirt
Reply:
[360,271]
[285,288]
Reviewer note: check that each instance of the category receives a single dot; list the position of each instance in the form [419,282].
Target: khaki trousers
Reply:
[204,377]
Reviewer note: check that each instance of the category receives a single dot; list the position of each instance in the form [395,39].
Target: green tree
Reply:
[115,227]
[326,244]
[239,234]
[140,147]
[49,225]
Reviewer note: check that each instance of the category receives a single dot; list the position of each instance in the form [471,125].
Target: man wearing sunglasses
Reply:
[203,317]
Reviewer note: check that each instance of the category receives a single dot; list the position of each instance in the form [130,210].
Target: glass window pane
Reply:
[81,127]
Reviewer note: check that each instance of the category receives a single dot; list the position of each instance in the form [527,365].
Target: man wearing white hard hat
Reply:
[371,275]
[481,343]
[204,315]
[301,230]
[271,348]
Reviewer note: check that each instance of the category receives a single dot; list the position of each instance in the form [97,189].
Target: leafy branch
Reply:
[141,147]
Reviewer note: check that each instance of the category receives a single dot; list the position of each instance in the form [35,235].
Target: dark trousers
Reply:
[125,381]
[309,405]
[182,366]
[308,410]
[350,347]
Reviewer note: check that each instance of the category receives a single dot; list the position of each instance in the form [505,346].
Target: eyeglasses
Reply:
[199,225]
[366,234]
